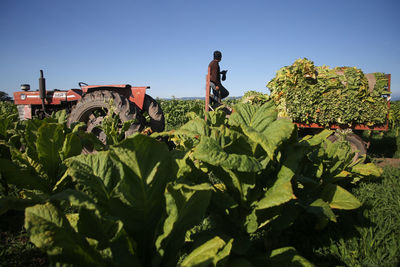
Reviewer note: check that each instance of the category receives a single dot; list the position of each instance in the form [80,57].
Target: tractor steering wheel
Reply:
[82,83]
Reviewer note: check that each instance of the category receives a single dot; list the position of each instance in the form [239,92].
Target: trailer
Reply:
[351,133]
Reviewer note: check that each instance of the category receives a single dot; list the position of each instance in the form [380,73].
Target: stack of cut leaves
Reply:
[342,95]
[254,97]
[394,115]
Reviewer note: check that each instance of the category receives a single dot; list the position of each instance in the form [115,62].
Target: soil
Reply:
[383,162]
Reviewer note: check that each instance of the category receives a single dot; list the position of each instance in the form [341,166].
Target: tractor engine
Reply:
[41,102]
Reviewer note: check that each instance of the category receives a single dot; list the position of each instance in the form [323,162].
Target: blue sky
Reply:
[168,44]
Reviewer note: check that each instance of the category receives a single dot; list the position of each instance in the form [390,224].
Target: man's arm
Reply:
[223,74]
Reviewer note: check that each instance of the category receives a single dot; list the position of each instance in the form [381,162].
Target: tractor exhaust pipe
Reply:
[42,90]
[42,86]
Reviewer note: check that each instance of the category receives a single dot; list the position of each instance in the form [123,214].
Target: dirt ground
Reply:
[382,162]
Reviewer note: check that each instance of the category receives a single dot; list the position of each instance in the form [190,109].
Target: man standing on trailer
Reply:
[215,77]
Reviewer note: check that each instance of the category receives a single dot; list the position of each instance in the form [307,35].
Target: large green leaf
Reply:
[243,115]
[186,206]
[261,126]
[6,121]
[238,143]
[210,253]
[240,182]
[72,146]
[216,118]
[339,198]
[127,182]
[96,175]
[30,136]
[287,256]
[339,156]
[281,191]
[14,203]
[322,209]
[148,167]
[194,128]
[208,150]
[49,144]
[368,169]
[91,224]
[317,139]
[50,230]
[258,118]
[76,199]
[107,233]
[22,178]
[272,137]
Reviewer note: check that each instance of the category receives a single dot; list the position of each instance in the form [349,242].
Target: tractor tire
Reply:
[153,108]
[92,109]
[356,143]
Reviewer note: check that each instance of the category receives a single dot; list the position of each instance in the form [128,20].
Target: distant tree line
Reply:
[4,96]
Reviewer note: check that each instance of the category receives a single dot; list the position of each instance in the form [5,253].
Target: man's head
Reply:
[217,55]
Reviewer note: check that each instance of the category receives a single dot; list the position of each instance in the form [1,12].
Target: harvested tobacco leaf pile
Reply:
[342,95]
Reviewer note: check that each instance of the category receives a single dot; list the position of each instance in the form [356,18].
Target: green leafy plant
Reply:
[34,162]
[222,197]
[264,178]
[8,116]
[130,209]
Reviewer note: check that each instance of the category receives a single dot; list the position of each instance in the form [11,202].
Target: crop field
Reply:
[239,191]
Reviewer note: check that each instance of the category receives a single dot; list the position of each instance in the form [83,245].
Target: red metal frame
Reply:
[135,94]
[207,100]
[87,88]
[52,97]
[384,127]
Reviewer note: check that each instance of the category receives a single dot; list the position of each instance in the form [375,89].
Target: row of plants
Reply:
[224,196]
[178,112]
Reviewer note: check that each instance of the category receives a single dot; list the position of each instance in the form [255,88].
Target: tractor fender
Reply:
[137,95]
[134,94]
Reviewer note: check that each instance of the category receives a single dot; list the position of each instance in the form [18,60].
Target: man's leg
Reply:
[223,91]
[214,97]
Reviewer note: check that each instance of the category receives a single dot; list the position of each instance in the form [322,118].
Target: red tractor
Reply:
[90,104]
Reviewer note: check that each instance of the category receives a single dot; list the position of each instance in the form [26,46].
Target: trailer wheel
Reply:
[356,143]
[93,107]
[153,109]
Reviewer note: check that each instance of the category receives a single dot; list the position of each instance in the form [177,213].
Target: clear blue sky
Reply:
[168,44]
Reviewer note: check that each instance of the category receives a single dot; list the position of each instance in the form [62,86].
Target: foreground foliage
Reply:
[222,197]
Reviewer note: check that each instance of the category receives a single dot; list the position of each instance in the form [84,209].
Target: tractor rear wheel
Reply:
[153,109]
[93,107]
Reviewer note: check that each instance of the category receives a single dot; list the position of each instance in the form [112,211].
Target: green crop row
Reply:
[178,112]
